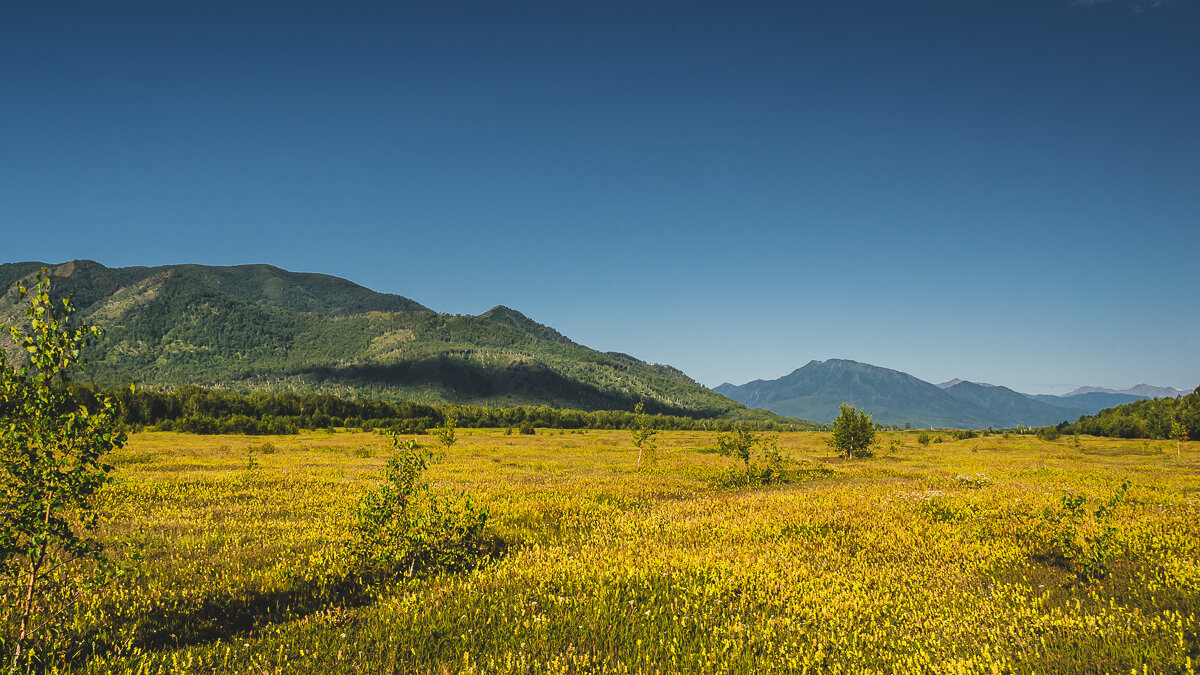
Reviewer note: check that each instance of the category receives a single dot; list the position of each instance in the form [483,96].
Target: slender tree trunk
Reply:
[27,605]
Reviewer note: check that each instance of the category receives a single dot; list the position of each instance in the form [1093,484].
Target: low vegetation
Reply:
[952,557]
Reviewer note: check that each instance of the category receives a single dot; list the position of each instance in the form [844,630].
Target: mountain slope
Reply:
[1090,403]
[257,327]
[1007,408]
[1140,390]
[816,391]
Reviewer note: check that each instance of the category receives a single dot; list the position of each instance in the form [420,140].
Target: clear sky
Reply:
[1005,191]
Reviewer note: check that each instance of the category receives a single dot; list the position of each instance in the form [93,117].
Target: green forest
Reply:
[207,411]
[1151,418]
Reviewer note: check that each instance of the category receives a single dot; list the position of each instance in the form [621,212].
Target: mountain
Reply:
[1007,408]
[956,381]
[1090,403]
[816,391]
[261,328]
[1140,391]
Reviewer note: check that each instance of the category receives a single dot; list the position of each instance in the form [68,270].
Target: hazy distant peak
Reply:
[1144,390]
[956,381]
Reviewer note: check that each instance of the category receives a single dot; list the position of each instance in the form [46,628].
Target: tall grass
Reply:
[923,559]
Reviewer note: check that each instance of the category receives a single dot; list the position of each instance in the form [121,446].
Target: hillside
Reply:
[1090,403]
[1007,408]
[1140,390]
[817,390]
[260,328]
[891,397]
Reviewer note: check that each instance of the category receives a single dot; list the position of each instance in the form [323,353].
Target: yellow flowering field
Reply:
[938,558]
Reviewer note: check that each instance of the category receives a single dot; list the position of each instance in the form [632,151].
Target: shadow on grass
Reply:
[221,617]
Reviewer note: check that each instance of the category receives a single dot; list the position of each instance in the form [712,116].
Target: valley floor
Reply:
[941,558]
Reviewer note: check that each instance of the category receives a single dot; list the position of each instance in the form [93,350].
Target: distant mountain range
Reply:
[261,328]
[1090,403]
[1140,391]
[816,391]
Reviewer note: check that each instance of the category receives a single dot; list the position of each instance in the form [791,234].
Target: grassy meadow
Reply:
[920,559]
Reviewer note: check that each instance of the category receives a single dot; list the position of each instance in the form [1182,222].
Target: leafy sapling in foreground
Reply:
[404,526]
[643,433]
[1083,539]
[52,451]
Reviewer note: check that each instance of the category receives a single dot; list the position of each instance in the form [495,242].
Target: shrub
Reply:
[762,464]
[1047,434]
[853,432]
[923,438]
[445,433]
[1083,539]
[405,527]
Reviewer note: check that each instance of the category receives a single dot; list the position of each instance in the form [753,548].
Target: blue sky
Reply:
[1004,191]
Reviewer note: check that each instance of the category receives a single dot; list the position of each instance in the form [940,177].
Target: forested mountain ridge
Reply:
[815,392]
[261,328]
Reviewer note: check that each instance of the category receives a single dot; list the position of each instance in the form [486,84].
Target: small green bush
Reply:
[1047,434]
[762,464]
[445,433]
[1083,539]
[405,527]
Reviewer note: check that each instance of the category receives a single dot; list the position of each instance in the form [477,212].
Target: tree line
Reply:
[208,411]
[1151,418]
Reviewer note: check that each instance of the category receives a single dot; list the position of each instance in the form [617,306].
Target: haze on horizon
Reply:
[1003,192]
